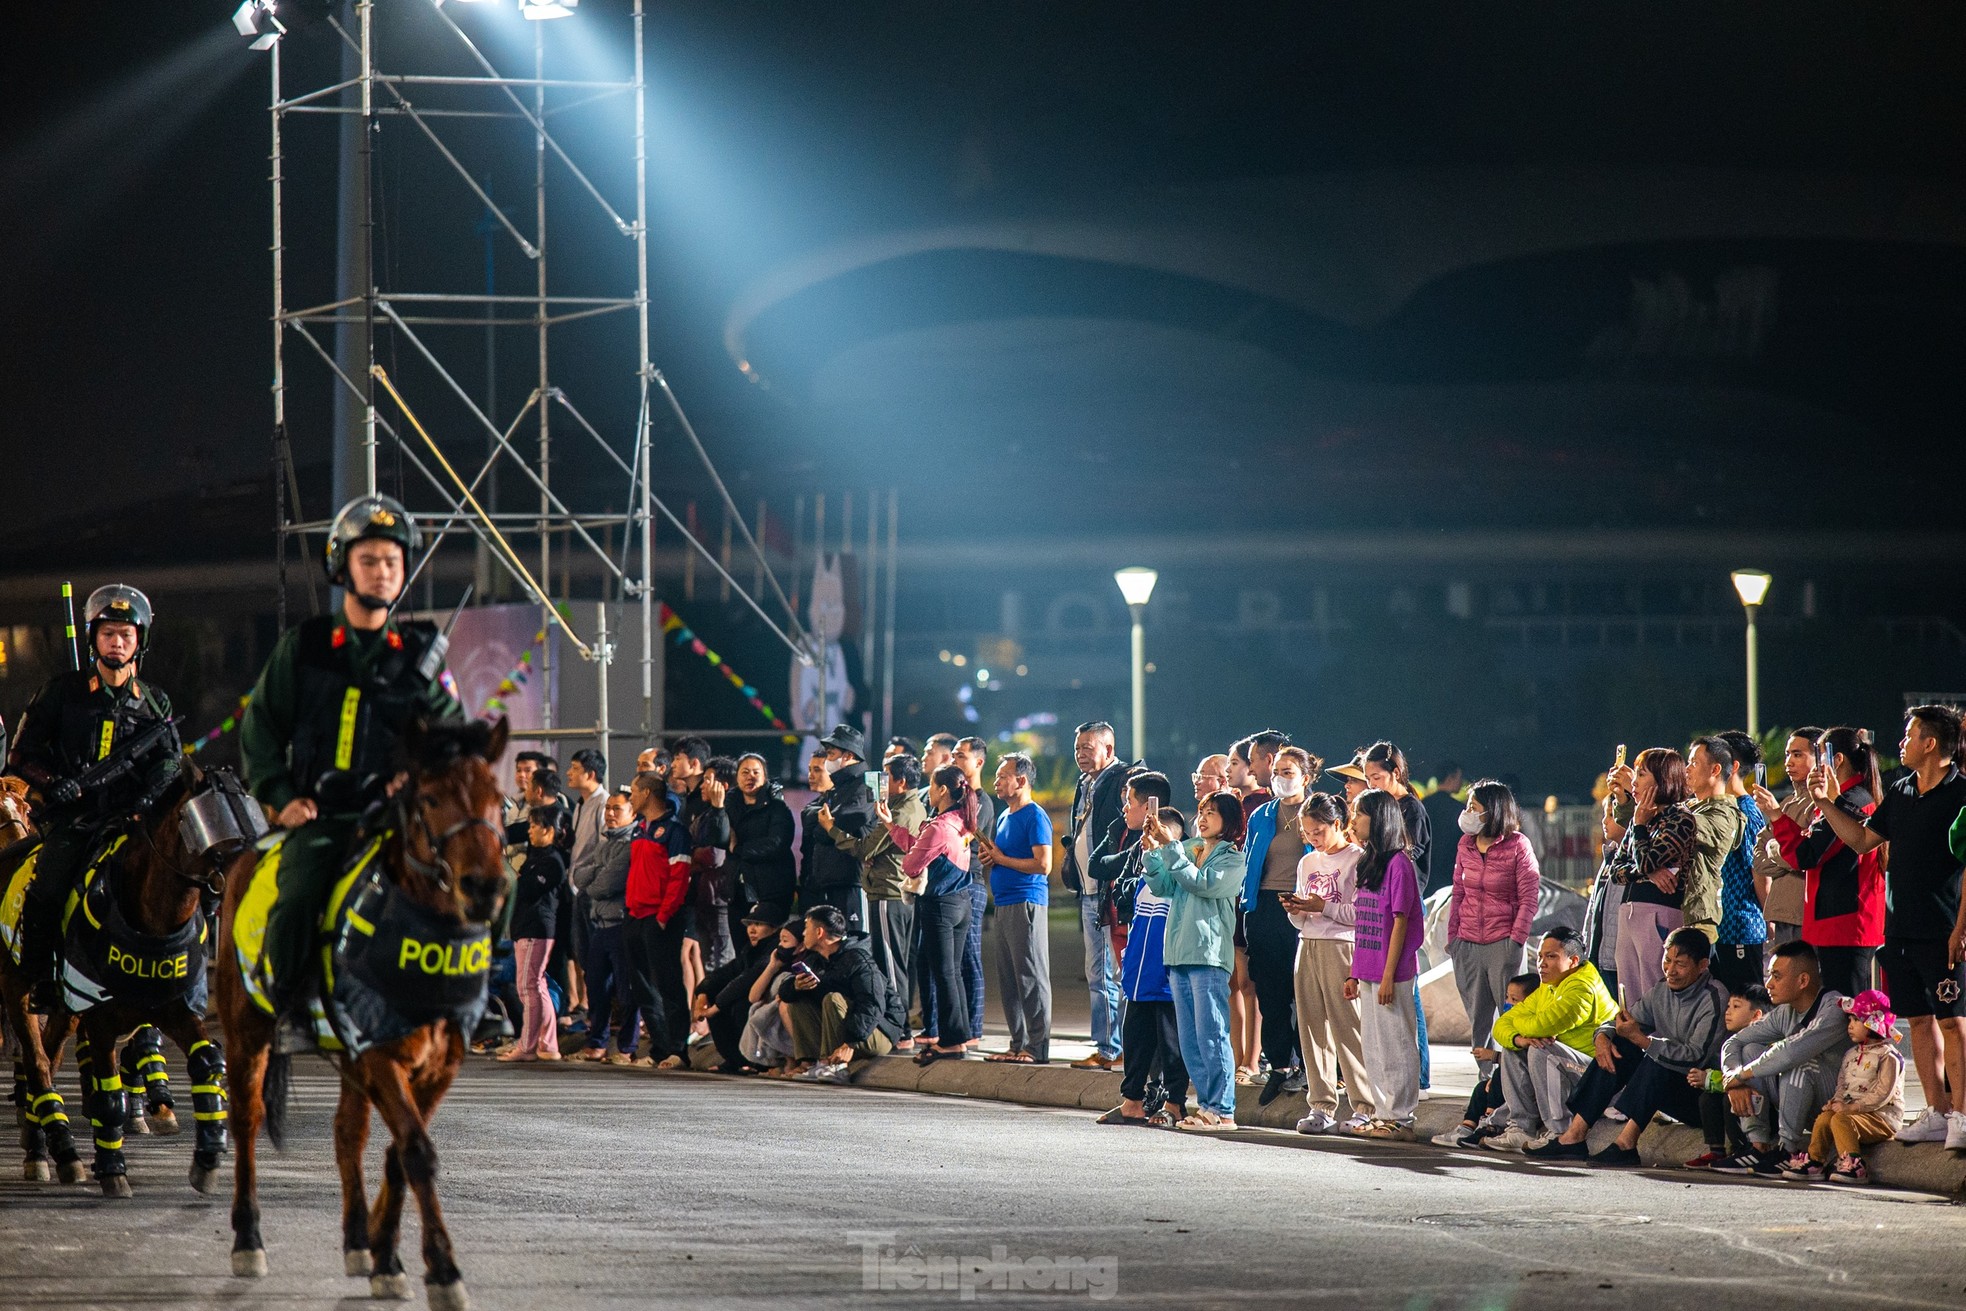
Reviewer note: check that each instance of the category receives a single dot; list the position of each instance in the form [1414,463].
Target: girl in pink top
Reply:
[940,853]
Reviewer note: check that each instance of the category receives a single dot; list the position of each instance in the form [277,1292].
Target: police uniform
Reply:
[324,722]
[76,720]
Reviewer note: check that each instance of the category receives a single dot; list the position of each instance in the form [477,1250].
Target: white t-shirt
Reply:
[1335,878]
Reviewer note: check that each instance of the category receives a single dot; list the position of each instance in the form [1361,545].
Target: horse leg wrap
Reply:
[49,1116]
[106,1118]
[207,1065]
[144,1069]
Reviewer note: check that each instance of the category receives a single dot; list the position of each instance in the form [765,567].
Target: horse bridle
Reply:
[439,871]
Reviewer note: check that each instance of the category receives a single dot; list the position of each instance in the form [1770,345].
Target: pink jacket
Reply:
[1494,894]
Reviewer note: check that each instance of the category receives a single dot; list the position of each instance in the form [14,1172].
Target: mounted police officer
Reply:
[319,737]
[74,722]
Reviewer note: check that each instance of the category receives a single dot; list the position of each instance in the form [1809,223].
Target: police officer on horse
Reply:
[75,722]
[320,735]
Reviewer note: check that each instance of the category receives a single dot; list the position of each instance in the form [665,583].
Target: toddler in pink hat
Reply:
[1869,1104]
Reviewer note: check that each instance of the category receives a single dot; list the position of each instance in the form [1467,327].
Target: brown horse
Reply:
[145,907]
[438,861]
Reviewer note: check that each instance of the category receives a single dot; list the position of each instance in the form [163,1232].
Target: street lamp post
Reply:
[1752,584]
[1136,585]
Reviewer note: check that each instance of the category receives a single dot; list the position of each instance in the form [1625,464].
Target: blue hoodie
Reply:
[1143,972]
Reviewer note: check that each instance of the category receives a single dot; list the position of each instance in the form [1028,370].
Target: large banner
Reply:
[497,662]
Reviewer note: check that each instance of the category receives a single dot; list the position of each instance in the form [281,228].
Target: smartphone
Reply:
[876,781]
[1153,812]
[1761,776]
[1619,763]
[802,969]
[1621,999]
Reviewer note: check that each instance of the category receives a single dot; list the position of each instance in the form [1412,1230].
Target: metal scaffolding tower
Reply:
[388,405]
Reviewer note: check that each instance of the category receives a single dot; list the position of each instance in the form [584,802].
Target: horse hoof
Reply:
[390,1288]
[116,1185]
[249,1265]
[36,1172]
[448,1297]
[357,1264]
[204,1178]
[136,1126]
[72,1172]
[163,1120]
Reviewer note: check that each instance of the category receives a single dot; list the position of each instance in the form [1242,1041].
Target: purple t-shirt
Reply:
[1398,894]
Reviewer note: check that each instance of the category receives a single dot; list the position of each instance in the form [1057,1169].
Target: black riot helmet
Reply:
[117,603]
[370,518]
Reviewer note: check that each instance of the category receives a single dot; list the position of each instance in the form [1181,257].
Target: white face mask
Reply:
[1471,822]
[1287,787]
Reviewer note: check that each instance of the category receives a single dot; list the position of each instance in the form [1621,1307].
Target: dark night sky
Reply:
[137,285]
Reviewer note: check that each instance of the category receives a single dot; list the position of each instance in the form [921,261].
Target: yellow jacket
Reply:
[1568,1010]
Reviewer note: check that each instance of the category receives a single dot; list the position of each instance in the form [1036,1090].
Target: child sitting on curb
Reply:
[1476,1122]
[1725,1134]
[1869,1105]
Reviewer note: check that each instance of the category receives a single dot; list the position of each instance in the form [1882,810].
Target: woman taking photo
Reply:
[1324,909]
[1202,881]
[1496,884]
[940,852]
[1649,799]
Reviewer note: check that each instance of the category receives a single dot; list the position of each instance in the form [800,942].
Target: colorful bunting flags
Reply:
[225,726]
[673,624]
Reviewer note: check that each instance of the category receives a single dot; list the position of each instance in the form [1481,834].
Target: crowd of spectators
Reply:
[1742,966]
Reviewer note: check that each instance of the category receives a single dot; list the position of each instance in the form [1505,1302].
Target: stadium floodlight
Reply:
[256,19]
[538,10]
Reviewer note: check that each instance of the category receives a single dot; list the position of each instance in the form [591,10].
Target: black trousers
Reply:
[1720,1126]
[1597,1090]
[726,1029]
[655,983]
[1273,972]
[891,939]
[1152,1047]
[1736,965]
[1848,970]
[941,930]
[1656,1089]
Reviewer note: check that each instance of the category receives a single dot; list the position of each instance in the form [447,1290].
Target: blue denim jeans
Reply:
[1102,977]
[607,989]
[1426,1054]
[1201,1014]
[979,901]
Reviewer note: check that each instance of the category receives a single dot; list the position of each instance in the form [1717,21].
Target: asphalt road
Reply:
[605,1188]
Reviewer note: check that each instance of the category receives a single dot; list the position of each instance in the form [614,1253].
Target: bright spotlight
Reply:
[256,19]
[539,10]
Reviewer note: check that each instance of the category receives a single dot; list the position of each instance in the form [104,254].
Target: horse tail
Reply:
[274,1089]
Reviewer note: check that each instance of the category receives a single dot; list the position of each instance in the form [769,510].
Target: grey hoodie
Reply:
[1686,1027]
[1795,1038]
[602,877]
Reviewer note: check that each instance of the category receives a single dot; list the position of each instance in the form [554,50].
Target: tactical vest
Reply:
[345,729]
[92,724]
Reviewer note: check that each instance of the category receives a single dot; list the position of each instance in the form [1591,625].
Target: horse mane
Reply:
[437,746]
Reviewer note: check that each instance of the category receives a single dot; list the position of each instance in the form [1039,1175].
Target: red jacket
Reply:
[658,870]
[1843,901]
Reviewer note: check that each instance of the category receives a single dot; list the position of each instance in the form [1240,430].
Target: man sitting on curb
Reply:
[1544,1044]
[1806,1035]
[1643,1055]
[723,999]
[838,1010]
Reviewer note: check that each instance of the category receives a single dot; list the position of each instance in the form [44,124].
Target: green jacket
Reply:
[1717,828]
[267,730]
[880,861]
[1569,1010]
[1201,912]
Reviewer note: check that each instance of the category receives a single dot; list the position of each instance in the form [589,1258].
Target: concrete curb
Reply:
[1919,1167]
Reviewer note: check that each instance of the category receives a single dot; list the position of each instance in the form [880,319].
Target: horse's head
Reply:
[451,843]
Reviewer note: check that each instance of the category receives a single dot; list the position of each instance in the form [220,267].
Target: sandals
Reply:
[1116,1116]
[930,1055]
[1207,1122]
[1012,1058]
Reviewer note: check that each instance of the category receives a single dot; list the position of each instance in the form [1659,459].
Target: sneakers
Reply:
[1461,1135]
[1555,1149]
[1929,1127]
[1512,1139]
[1771,1165]
[1389,1131]
[1747,1162]
[824,1072]
[1849,1170]
[1273,1087]
[1801,1167]
[1707,1160]
[1955,1132]
[1317,1122]
[1622,1158]
[1296,1083]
